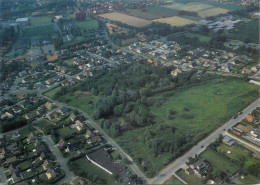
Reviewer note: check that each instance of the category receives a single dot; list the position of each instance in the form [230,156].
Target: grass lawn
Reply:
[69,61]
[24,165]
[44,124]
[219,162]
[190,179]
[38,30]
[250,179]
[85,165]
[237,151]
[25,132]
[173,180]
[36,21]
[66,131]
[202,38]
[52,92]
[82,100]
[88,24]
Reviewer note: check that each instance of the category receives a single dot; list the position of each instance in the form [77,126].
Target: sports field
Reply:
[175,21]
[38,30]
[36,21]
[88,24]
[126,19]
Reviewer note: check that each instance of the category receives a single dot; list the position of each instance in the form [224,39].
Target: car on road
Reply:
[224,129]
[201,146]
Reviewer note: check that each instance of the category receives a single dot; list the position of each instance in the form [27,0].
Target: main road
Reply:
[170,170]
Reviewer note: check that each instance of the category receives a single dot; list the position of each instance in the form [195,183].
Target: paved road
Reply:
[110,141]
[170,170]
[63,161]
[248,145]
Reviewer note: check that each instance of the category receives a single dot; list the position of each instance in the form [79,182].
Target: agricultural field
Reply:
[88,24]
[203,9]
[151,13]
[175,21]
[195,7]
[36,21]
[126,19]
[38,30]
[212,12]
[83,164]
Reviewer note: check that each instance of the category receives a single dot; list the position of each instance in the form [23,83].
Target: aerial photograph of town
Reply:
[129,92]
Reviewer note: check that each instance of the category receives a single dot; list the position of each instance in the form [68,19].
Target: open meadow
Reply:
[175,21]
[207,111]
[126,19]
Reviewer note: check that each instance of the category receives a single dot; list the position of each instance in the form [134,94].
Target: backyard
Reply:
[83,164]
[220,163]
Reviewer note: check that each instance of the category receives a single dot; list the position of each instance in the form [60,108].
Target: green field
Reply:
[44,124]
[209,110]
[173,180]
[190,179]
[92,170]
[66,131]
[38,30]
[250,179]
[202,38]
[238,152]
[220,163]
[69,61]
[151,13]
[52,92]
[248,30]
[211,105]
[88,24]
[36,21]
[81,100]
